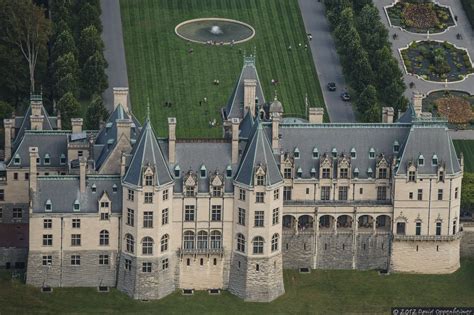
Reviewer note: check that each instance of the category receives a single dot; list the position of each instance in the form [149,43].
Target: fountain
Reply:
[216,30]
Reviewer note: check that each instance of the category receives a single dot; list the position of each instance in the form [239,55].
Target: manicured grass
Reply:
[467,148]
[160,68]
[322,292]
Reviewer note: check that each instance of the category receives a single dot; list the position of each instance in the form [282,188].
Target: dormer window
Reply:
[108,125]
[47,159]
[94,188]
[334,152]
[382,173]
[48,205]
[343,173]
[203,172]
[76,206]
[396,147]
[313,172]
[228,171]
[299,172]
[296,153]
[38,161]
[17,159]
[260,180]
[372,153]
[370,172]
[421,160]
[441,176]
[356,172]
[114,188]
[315,153]
[62,159]
[177,171]
[434,160]
[353,153]
[411,176]
[148,180]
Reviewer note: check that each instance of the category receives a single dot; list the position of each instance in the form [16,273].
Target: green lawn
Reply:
[160,67]
[324,292]
[467,148]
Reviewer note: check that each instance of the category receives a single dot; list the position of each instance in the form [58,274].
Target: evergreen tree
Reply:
[94,79]
[373,114]
[88,15]
[96,112]
[373,34]
[6,110]
[67,83]
[361,74]
[366,99]
[89,43]
[63,44]
[65,65]
[69,108]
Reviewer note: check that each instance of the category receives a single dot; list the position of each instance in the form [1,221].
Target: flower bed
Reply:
[456,106]
[436,61]
[420,16]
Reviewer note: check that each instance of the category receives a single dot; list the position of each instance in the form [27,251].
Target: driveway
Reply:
[326,60]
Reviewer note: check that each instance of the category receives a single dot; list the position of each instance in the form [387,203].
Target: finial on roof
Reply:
[148,109]
[276,95]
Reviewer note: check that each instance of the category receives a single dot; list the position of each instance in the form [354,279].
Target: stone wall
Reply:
[7,213]
[201,277]
[298,250]
[467,241]
[238,275]
[266,283]
[335,251]
[372,251]
[126,279]
[11,255]
[158,283]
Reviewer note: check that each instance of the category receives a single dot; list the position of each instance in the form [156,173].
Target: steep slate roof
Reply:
[147,152]
[63,191]
[258,152]
[246,126]
[408,116]
[235,106]
[428,141]
[25,124]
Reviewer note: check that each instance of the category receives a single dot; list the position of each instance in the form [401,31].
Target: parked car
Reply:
[345,97]
[331,86]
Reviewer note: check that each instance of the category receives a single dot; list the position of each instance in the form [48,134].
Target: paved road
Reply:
[326,60]
[114,48]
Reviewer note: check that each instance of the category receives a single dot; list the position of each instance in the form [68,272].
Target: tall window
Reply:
[216,239]
[148,197]
[240,243]
[401,228]
[325,192]
[382,173]
[242,194]
[189,192]
[129,243]
[164,242]
[130,217]
[381,193]
[47,260]
[104,238]
[148,219]
[75,260]
[149,180]
[216,213]
[343,173]
[216,191]
[275,242]
[2,194]
[241,215]
[326,173]
[440,194]
[411,176]
[103,259]
[76,223]
[189,213]
[418,228]
[259,197]
[165,194]
[276,194]
[276,216]
[47,223]
[146,267]
[259,218]
[287,172]
[188,239]
[286,193]
[202,240]
[441,176]
[438,228]
[164,264]
[131,195]
[456,192]
[260,180]
[47,240]
[18,213]
[164,216]
[147,246]
[420,194]
[75,239]
[342,193]
[258,245]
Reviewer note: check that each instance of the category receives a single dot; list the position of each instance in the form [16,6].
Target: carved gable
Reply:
[190,179]
[217,179]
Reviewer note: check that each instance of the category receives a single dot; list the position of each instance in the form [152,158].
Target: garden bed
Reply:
[457,107]
[420,16]
[436,61]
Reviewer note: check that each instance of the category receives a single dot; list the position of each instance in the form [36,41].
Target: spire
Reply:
[148,109]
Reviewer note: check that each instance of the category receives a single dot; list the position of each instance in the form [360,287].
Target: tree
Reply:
[89,43]
[65,75]
[373,114]
[88,15]
[63,44]
[358,5]
[65,84]
[94,79]
[361,74]
[28,29]
[69,108]
[372,32]
[96,112]
[366,99]
[6,110]
[467,195]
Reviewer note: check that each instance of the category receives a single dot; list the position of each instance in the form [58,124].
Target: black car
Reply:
[345,97]
[331,86]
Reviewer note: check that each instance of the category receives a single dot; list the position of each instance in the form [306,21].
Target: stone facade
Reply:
[12,257]
[467,241]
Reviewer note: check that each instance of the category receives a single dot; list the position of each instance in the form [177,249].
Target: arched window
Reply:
[258,245]
[130,243]
[216,239]
[147,245]
[188,240]
[275,238]
[240,243]
[164,242]
[202,239]
[104,238]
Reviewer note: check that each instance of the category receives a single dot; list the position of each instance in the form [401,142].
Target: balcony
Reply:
[201,251]
[422,238]
[336,202]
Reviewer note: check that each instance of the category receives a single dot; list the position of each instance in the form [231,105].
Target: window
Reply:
[18,213]
[148,219]
[353,153]
[1,213]
[313,172]
[76,206]
[47,260]
[420,194]
[177,171]
[147,246]
[418,228]
[299,172]
[27,176]
[104,204]
[259,218]
[2,194]
[260,180]
[287,193]
[129,243]
[369,172]
[334,152]
[164,243]
[276,216]
[189,213]
[114,188]
[434,160]
[401,228]
[148,197]
[275,242]
[382,173]
[148,180]
[287,173]
[202,240]
[315,153]
[259,197]
[130,217]
[16,159]
[343,173]
[440,194]
[104,216]
[47,240]
[203,172]
[47,159]
[372,153]
[228,171]
[258,245]
[103,259]
[94,188]
[342,193]
[410,195]
[164,264]
[242,194]
[216,239]
[75,260]
[47,223]
[131,195]
[241,215]
[438,228]
[456,191]
[165,194]
[104,238]
[276,194]
[216,191]
[396,147]
[454,227]
[441,176]
[216,213]
[381,193]
[164,216]
[296,153]
[326,173]
[146,267]
[62,159]
[411,176]
[325,192]
[15,176]
[128,264]
[75,239]
[189,191]
[188,239]
[80,153]
[421,160]
[240,243]
[76,223]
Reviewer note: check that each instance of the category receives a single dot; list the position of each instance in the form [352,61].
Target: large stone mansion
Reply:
[122,207]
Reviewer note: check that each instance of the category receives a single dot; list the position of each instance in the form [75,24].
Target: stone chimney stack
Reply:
[123,161]
[36,118]
[250,89]
[387,115]
[235,140]
[121,97]
[172,139]
[82,174]
[315,115]
[33,168]
[123,127]
[276,133]
[58,120]
[417,100]
[8,124]
[76,124]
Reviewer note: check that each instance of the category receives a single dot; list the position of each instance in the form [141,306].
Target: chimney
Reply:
[416,100]
[36,122]
[275,133]
[461,161]
[8,124]
[123,127]
[58,121]
[82,174]
[172,139]
[33,168]
[121,97]
[387,115]
[36,103]
[235,140]
[250,88]
[316,115]
[122,165]
[76,124]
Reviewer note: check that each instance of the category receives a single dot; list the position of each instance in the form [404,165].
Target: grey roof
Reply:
[429,141]
[408,116]
[258,153]
[25,124]
[53,143]
[235,106]
[147,152]
[63,191]
[246,126]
